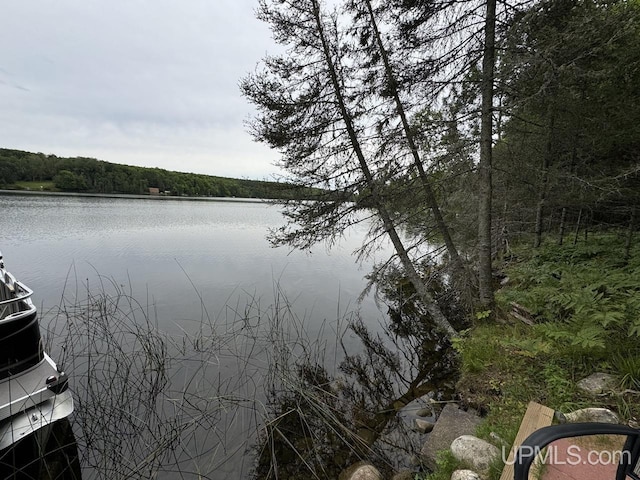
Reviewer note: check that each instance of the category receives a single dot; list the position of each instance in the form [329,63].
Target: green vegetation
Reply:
[585,302]
[37,171]
[45,185]
[446,465]
[592,297]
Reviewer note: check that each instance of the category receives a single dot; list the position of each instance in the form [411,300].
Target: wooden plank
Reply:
[536,417]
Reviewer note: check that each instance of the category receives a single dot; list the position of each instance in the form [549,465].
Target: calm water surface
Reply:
[165,250]
[171,252]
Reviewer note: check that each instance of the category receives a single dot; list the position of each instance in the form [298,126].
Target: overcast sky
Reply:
[140,82]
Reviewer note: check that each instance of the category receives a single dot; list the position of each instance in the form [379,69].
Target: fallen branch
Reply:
[522,313]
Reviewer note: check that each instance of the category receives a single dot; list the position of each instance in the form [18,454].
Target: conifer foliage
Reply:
[316,110]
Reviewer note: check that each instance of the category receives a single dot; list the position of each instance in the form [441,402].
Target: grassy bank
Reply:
[584,301]
[43,186]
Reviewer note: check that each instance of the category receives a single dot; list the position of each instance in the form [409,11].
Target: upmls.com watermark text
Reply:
[572,455]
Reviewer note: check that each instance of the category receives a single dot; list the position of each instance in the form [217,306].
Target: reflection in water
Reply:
[171,315]
[52,454]
[184,332]
[170,254]
[154,405]
[319,424]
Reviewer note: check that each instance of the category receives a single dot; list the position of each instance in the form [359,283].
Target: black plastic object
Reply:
[629,466]
[20,345]
[58,384]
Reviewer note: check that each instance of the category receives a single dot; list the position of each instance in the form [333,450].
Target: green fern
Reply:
[584,298]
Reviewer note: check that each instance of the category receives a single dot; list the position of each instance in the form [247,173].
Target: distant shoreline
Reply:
[134,197]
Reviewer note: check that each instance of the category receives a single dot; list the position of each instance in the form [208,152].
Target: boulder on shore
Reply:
[597,383]
[598,415]
[465,475]
[475,452]
[451,423]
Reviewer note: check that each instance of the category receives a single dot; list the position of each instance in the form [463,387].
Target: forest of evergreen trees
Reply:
[473,125]
[80,174]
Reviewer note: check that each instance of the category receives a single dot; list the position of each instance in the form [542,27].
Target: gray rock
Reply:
[424,412]
[465,475]
[423,426]
[361,471]
[475,452]
[420,407]
[597,383]
[598,415]
[367,435]
[404,475]
[451,423]
[559,417]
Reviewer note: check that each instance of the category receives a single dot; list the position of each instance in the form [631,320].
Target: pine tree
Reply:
[311,109]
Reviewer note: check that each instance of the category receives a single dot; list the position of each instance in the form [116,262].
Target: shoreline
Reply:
[134,197]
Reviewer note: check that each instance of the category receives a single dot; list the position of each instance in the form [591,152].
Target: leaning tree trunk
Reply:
[484,167]
[417,161]
[432,307]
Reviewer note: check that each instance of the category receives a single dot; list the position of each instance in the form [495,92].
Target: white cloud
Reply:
[144,82]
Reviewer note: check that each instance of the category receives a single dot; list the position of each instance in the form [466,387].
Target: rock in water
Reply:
[361,471]
[423,426]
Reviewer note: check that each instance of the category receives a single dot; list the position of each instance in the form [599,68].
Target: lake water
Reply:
[170,254]
[166,250]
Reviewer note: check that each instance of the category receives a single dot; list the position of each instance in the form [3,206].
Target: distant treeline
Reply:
[80,174]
